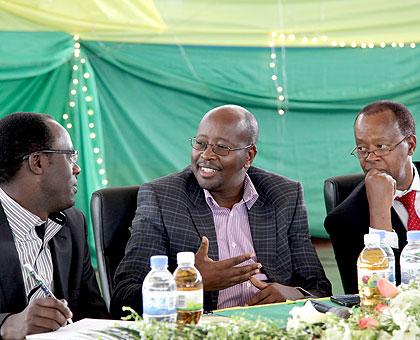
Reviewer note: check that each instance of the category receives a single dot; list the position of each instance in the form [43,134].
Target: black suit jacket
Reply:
[172,216]
[347,224]
[74,278]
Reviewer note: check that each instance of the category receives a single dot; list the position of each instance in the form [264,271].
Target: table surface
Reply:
[276,312]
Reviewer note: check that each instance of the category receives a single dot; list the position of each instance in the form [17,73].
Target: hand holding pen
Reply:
[39,281]
[41,315]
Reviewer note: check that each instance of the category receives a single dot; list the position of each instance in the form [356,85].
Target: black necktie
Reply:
[40,231]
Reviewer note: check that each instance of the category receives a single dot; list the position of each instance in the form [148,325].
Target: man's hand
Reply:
[380,190]
[222,274]
[272,292]
[41,315]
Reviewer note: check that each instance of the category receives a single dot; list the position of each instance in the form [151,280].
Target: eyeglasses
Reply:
[73,154]
[218,149]
[362,153]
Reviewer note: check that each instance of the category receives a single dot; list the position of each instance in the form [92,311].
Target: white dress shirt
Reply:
[29,246]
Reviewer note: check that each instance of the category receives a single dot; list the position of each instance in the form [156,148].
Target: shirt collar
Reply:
[23,221]
[415,184]
[250,195]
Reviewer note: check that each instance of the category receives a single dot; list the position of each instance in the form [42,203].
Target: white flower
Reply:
[304,315]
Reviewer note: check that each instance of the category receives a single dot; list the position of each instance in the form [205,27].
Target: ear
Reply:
[251,153]
[412,142]
[35,163]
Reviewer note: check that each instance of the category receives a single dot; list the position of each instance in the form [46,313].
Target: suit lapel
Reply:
[262,223]
[61,253]
[399,229]
[202,216]
[12,289]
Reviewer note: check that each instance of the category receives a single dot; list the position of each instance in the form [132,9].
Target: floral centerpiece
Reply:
[399,319]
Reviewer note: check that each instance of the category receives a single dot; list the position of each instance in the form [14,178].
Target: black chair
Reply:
[112,211]
[336,189]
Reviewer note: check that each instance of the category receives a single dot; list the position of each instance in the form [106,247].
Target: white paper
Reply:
[79,329]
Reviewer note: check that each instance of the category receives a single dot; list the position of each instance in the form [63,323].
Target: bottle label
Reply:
[189,300]
[159,303]
[391,272]
[409,271]
[369,278]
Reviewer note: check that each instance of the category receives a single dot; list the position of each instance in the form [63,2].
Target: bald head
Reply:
[242,118]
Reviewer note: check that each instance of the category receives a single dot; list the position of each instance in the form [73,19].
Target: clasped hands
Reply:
[218,275]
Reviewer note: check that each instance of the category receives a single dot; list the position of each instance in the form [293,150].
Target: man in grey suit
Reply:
[247,227]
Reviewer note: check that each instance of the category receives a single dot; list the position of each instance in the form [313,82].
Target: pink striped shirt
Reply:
[234,238]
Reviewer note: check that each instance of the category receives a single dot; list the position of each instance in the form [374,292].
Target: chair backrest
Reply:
[336,189]
[112,211]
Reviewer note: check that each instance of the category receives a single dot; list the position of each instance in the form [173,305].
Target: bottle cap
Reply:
[185,257]
[413,235]
[381,233]
[158,261]
[372,239]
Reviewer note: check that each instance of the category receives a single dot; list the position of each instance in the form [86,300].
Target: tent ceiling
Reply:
[220,22]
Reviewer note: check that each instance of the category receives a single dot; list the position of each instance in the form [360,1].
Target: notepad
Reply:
[79,329]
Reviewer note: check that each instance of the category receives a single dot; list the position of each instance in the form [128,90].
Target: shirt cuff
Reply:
[304,292]
[391,237]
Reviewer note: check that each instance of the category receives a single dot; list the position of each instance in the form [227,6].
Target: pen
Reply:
[40,281]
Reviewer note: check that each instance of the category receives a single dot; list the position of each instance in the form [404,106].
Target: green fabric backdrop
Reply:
[148,100]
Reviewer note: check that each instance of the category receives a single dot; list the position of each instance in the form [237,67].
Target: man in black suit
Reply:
[38,182]
[385,135]
[248,227]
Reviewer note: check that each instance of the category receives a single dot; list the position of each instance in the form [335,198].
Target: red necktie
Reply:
[408,202]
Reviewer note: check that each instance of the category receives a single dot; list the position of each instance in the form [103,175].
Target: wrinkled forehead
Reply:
[381,124]
[61,137]
[225,121]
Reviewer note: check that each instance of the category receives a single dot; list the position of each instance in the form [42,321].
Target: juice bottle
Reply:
[372,265]
[189,286]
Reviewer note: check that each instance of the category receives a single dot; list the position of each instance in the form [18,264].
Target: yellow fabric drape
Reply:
[220,22]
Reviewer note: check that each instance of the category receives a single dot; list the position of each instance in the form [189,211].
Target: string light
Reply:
[279,40]
[292,39]
[273,66]
[80,76]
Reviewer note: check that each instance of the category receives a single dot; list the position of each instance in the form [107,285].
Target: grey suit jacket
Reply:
[172,216]
[74,278]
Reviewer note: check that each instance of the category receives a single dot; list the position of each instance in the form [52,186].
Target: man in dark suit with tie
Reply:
[39,227]
[248,227]
[385,136]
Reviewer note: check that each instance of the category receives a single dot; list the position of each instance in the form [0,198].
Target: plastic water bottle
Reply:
[372,265]
[189,285]
[159,292]
[410,257]
[389,255]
